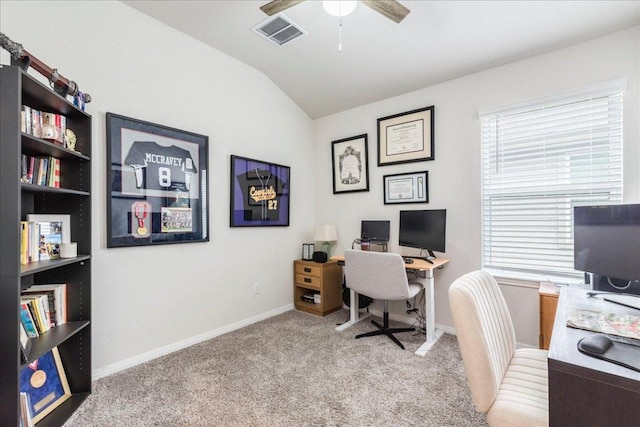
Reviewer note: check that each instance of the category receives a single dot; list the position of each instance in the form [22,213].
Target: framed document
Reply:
[350,162]
[158,184]
[259,193]
[406,188]
[45,384]
[406,137]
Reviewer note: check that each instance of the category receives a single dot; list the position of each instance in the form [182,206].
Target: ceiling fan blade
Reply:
[389,8]
[276,6]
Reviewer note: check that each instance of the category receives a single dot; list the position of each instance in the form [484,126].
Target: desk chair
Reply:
[380,275]
[510,385]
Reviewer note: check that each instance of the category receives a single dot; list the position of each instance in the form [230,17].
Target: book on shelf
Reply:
[39,309]
[45,125]
[57,299]
[27,320]
[43,171]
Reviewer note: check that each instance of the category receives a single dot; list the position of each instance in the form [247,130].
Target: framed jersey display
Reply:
[158,177]
[259,193]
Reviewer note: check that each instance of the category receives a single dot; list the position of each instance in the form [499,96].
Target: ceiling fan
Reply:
[389,8]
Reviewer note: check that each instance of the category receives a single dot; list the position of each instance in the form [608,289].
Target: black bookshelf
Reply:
[73,339]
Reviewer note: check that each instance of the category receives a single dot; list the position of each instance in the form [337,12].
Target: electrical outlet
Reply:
[256,288]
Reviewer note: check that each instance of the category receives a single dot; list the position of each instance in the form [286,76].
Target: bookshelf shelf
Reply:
[48,148]
[19,199]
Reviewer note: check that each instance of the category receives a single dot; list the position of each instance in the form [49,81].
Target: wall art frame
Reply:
[406,137]
[158,180]
[350,164]
[259,193]
[410,187]
[45,382]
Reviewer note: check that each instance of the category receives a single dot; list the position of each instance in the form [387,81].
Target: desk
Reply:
[585,391]
[432,334]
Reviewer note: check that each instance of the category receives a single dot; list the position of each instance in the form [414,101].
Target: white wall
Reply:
[147,300]
[153,299]
[454,175]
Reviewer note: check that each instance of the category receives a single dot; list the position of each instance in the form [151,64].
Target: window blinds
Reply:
[539,160]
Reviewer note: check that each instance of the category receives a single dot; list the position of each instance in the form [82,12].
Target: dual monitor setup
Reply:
[421,229]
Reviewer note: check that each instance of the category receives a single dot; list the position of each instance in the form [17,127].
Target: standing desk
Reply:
[432,334]
[583,390]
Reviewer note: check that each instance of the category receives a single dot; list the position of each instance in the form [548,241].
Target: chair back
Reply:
[379,275]
[485,334]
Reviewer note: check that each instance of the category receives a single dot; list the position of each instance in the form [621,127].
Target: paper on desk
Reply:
[607,323]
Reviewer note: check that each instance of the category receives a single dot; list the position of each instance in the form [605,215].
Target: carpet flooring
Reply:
[293,369]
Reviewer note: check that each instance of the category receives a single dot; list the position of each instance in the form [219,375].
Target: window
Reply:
[539,160]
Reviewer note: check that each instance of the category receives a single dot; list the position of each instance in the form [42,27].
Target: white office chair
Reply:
[380,275]
[510,385]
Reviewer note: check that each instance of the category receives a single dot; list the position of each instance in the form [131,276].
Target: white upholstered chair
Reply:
[510,385]
[380,275]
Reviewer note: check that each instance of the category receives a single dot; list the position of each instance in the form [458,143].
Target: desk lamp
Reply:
[326,234]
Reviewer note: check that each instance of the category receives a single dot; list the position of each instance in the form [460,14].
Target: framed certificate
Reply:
[406,188]
[406,137]
[350,161]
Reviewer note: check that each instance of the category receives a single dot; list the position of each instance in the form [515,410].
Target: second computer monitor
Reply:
[375,231]
[425,230]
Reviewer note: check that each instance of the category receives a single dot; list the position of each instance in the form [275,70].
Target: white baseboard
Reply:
[162,351]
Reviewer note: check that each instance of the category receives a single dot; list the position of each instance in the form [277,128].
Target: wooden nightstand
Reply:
[548,293]
[322,279]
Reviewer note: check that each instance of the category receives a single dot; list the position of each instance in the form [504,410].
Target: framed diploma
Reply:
[406,188]
[259,193]
[406,137]
[350,162]
[45,384]
[158,184]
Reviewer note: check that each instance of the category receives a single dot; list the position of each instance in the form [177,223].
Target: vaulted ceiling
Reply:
[436,42]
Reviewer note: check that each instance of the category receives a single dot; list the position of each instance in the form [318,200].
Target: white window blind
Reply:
[539,160]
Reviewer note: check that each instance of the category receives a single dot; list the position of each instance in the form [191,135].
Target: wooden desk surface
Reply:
[584,390]
[418,264]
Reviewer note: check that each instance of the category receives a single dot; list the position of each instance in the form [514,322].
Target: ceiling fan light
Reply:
[339,8]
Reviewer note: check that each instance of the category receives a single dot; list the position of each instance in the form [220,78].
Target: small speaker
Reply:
[320,257]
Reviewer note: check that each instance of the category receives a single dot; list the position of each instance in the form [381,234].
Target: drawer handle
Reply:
[307,270]
[307,280]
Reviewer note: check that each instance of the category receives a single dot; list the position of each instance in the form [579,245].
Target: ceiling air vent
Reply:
[278,29]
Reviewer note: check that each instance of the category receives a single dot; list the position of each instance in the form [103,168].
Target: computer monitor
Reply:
[375,231]
[425,230]
[606,240]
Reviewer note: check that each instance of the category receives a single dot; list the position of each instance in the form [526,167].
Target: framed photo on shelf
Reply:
[45,383]
[51,231]
[350,162]
[158,178]
[406,188]
[406,137]
[260,193]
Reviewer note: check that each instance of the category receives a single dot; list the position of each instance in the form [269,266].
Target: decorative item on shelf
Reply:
[20,57]
[307,251]
[70,139]
[45,383]
[326,234]
[69,250]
